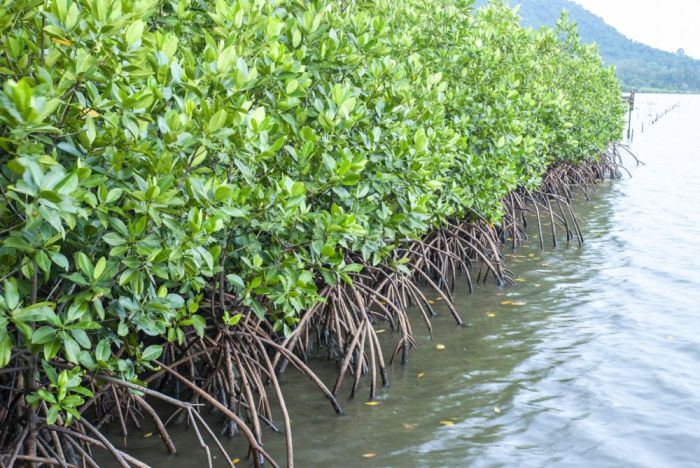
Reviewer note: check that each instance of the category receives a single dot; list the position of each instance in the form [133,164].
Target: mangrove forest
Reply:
[198,195]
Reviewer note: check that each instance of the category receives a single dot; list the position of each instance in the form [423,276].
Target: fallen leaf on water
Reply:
[505,302]
[497,409]
[438,298]
[440,346]
[491,314]
[420,375]
[531,255]
[148,434]
[517,303]
[520,280]
[372,403]
[447,423]
[409,426]
[369,455]
[235,460]
[381,330]
[431,302]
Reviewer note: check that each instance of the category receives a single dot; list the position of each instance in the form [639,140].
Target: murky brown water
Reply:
[598,366]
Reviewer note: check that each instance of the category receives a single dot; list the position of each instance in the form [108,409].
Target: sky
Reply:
[667,25]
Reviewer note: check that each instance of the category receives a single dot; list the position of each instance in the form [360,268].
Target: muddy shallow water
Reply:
[592,359]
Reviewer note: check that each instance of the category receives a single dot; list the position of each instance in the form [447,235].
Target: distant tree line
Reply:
[639,66]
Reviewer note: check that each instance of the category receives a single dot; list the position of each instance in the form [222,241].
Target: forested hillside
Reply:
[638,66]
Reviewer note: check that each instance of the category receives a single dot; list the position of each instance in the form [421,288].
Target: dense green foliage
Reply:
[639,66]
[152,153]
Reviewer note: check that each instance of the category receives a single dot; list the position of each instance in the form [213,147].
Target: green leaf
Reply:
[49,371]
[11,294]
[85,264]
[59,259]
[5,349]
[52,415]
[113,239]
[226,59]
[113,195]
[43,335]
[133,32]
[236,280]
[152,352]
[90,129]
[39,312]
[99,268]
[81,337]
[43,261]
[103,350]
[217,121]
[46,396]
[199,323]
[71,350]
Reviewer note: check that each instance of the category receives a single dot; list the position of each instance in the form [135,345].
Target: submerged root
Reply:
[553,202]
[32,437]
[342,326]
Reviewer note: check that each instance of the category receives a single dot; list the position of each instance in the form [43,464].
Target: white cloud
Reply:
[668,25]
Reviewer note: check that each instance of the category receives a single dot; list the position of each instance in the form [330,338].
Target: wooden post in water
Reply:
[630,101]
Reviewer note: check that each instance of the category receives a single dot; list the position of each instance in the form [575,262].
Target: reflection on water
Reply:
[598,366]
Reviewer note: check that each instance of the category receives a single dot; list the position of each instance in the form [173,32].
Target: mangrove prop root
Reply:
[342,327]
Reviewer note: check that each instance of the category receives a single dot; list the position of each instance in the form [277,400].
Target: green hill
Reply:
[639,66]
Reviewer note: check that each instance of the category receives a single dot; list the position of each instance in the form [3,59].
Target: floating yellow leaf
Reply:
[369,455]
[431,302]
[491,314]
[381,330]
[440,346]
[447,423]
[420,375]
[235,460]
[497,409]
[438,298]
[61,41]
[520,280]
[372,403]
[505,302]
[409,426]
[148,434]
